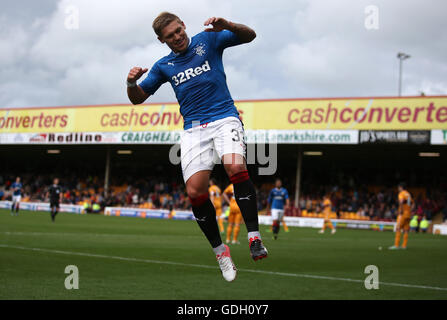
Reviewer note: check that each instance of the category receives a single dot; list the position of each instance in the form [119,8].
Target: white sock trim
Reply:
[254,234]
[219,249]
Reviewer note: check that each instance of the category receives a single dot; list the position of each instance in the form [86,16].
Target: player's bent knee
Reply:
[194,193]
[233,169]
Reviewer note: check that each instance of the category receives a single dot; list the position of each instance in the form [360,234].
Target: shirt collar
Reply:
[177,54]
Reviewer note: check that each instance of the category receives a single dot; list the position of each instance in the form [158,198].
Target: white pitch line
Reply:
[19,233]
[296,275]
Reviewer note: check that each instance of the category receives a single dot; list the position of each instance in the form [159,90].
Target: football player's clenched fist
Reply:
[135,73]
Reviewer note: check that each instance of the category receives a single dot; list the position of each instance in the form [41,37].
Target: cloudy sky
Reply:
[304,48]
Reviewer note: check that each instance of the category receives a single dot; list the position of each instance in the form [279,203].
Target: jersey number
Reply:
[237,136]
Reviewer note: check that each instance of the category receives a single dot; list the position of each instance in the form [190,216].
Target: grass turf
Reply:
[133,258]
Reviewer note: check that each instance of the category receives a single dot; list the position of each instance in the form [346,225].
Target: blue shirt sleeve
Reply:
[225,39]
[153,80]
[270,197]
[286,194]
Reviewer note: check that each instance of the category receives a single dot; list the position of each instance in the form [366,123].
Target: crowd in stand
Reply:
[151,192]
[376,203]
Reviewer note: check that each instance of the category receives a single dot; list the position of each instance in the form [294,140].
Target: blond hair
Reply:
[162,20]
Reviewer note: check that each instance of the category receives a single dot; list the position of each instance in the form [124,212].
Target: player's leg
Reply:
[230,226]
[229,142]
[275,229]
[55,210]
[323,227]
[286,228]
[244,190]
[205,214]
[245,195]
[276,217]
[405,239]
[197,164]
[229,232]
[331,226]
[237,227]
[52,211]
[17,207]
[202,207]
[397,238]
[406,228]
[13,205]
[398,233]
[220,220]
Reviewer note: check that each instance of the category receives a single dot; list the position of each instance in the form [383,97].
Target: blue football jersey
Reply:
[17,187]
[198,78]
[277,198]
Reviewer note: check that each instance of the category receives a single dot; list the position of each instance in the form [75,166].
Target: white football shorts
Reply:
[16,198]
[203,146]
[277,214]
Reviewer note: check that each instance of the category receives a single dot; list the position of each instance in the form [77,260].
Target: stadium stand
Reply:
[363,202]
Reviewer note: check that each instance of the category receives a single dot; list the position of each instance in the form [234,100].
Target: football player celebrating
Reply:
[195,71]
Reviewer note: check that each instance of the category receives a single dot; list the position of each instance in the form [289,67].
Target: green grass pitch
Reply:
[134,258]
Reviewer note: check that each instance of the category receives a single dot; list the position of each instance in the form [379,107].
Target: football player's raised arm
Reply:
[244,33]
[137,95]
[135,92]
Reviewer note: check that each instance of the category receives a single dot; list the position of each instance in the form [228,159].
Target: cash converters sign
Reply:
[114,118]
[414,113]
